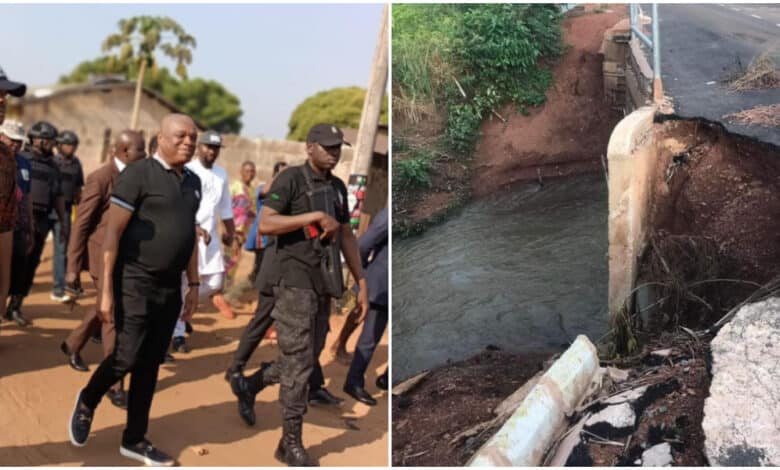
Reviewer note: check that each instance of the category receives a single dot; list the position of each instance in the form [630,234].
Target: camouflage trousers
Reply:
[301,320]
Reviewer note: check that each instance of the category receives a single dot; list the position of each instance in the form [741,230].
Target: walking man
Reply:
[307,211]
[373,247]
[85,250]
[71,180]
[8,192]
[150,240]
[46,195]
[214,205]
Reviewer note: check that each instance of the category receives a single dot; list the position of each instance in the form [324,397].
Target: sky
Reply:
[271,56]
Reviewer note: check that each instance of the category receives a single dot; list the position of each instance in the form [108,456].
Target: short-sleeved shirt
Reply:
[214,206]
[23,182]
[71,177]
[298,262]
[45,180]
[159,239]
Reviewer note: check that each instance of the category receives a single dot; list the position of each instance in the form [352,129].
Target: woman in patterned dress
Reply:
[242,194]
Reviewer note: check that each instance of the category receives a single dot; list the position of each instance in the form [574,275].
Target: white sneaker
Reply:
[64,298]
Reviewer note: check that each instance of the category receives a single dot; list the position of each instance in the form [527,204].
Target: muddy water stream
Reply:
[525,269]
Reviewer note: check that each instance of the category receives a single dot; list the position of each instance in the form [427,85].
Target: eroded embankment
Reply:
[567,135]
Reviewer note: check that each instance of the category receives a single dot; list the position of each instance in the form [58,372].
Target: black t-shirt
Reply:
[297,260]
[45,181]
[71,176]
[160,236]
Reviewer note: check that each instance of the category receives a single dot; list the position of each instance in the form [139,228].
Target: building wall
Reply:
[266,152]
[90,114]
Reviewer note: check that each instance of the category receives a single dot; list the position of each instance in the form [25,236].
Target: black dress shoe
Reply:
[360,394]
[118,398]
[169,358]
[322,396]
[74,359]
[80,423]
[381,381]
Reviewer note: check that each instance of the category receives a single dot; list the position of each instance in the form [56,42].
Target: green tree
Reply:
[213,105]
[137,42]
[339,106]
[207,101]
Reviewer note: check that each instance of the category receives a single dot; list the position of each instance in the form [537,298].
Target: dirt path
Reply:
[569,132]
[193,407]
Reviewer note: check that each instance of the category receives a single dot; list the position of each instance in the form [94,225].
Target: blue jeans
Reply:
[60,252]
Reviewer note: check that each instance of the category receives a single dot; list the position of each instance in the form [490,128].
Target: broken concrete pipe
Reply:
[525,437]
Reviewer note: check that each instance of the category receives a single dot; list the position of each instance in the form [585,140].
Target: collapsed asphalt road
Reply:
[704,45]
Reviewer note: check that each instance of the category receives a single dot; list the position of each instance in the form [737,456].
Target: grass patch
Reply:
[464,60]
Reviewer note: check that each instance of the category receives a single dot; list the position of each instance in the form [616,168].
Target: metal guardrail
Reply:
[654,43]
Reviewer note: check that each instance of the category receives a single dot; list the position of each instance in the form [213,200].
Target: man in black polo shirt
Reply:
[46,196]
[307,210]
[150,241]
[71,180]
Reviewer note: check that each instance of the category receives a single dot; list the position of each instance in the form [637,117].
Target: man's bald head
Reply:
[177,139]
[129,146]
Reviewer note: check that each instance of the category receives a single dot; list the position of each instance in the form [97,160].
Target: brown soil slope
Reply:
[570,132]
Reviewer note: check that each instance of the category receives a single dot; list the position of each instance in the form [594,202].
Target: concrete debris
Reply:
[617,375]
[741,416]
[658,456]
[618,416]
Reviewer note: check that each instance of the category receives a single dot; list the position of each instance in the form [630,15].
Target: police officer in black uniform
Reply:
[150,241]
[308,212]
[71,181]
[46,195]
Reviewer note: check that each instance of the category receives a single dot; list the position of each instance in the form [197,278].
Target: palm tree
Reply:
[137,41]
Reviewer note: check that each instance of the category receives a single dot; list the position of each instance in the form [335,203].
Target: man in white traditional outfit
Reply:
[215,205]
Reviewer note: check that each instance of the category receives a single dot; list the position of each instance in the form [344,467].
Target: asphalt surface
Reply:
[702,46]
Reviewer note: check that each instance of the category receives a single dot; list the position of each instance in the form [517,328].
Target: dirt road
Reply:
[193,410]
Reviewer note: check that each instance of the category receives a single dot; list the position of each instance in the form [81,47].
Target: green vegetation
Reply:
[137,42]
[413,172]
[208,101]
[339,106]
[464,60]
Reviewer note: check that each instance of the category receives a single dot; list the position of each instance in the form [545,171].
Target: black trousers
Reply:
[255,332]
[145,313]
[373,329]
[23,266]
[301,320]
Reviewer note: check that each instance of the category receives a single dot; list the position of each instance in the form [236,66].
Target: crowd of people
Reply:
[147,231]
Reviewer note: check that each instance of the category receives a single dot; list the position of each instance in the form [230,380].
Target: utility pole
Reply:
[369,120]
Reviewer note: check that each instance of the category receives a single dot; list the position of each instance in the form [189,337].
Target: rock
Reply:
[618,416]
[742,414]
[200,451]
[657,456]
